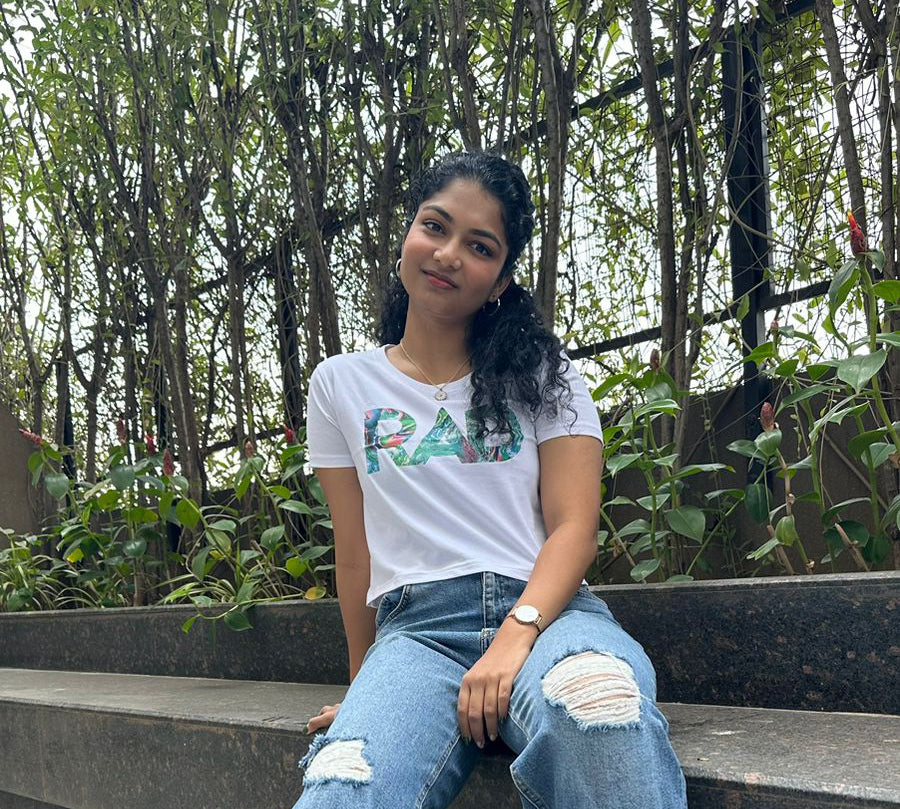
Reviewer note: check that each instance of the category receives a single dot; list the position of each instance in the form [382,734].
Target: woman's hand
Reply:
[324,719]
[486,687]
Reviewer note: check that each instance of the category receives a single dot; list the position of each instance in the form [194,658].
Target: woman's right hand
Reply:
[323,719]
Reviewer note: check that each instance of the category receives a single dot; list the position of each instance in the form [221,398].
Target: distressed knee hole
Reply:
[342,761]
[595,689]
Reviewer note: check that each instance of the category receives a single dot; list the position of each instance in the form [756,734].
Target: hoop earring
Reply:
[494,310]
[397,267]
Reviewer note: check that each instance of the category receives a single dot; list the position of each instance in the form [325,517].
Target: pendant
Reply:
[440,395]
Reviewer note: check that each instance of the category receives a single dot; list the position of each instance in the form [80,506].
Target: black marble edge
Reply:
[874,579]
[792,788]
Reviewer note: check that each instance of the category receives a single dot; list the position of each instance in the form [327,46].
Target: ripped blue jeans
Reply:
[582,719]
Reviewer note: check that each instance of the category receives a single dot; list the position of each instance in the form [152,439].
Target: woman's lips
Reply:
[438,282]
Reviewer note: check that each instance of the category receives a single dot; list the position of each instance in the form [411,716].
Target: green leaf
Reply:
[122,476]
[296,566]
[187,512]
[668,406]
[296,506]
[738,494]
[619,462]
[743,307]
[688,521]
[227,526]
[888,291]
[764,550]
[787,368]
[858,370]
[634,527]
[607,385]
[271,536]
[135,547]
[643,569]
[314,553]
[757,502]
[786,530]
[679,577]
[186,626]
[857,445]
[876,549]
[856,532]
[57,484]
[620,500]
[198,564]
[646,502]
[768,443]
[844,280]
[699,468]
[744,447]
[837,508]
[237,620]
[761,353]
[878,453]
[281,491]
[891,338]
[800,395]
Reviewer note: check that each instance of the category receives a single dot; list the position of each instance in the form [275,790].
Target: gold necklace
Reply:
[441,394]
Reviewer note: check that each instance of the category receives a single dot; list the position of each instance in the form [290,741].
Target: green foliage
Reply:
[270,542]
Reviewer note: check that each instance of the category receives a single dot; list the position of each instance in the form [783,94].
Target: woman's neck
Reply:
[438,352]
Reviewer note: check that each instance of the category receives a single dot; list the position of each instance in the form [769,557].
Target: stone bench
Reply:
[93,740]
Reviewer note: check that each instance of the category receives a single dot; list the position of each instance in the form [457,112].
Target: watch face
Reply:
[527,614]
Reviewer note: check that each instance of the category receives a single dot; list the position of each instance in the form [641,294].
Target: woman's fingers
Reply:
[324,718]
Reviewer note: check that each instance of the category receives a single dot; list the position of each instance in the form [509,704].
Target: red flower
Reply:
[249,449]
[767,417]
[168,463]
[34,438]
[151,444]
[773,329]
[289,436]
[857,237]
[120,431]
[654,359]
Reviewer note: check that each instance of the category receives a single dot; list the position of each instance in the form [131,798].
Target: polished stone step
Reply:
[827,642]
[94,740]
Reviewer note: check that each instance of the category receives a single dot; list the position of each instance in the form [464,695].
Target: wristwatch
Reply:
[526,614]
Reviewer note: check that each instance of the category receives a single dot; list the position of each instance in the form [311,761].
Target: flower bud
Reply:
[654,359]
[857,237]
[168,463]
[249,449]
[289,436]
[34,438]
[120,431]
[767,417]
[151,444]
[774,326]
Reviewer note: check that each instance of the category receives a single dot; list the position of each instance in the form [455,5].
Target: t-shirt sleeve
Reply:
[326,443]
[583,421]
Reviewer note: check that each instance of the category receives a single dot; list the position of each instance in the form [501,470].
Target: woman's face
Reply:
[458,233]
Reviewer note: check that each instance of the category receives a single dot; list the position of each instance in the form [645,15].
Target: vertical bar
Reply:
[748,195]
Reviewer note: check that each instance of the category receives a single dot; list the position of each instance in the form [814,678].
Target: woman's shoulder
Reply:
[348,362]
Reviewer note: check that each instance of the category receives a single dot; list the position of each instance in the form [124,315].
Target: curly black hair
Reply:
[509,345]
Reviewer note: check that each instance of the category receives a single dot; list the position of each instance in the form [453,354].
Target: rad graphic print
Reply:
[389,433]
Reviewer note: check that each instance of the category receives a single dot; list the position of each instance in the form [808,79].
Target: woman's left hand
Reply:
[486,687]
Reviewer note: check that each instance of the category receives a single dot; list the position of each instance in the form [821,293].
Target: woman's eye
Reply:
[437,227]
[483,249]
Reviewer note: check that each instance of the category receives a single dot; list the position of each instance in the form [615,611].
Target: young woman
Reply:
[461,460]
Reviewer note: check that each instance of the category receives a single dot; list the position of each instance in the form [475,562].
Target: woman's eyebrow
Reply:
[477,231]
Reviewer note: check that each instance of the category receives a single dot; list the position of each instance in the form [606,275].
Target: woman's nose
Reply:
[448,256]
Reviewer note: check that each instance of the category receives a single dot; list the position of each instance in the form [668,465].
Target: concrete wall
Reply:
[18,498]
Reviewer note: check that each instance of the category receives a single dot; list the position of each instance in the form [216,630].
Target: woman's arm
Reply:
[571,468]
[351,553]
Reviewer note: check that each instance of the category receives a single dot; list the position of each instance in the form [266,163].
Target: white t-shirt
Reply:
[437,504]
